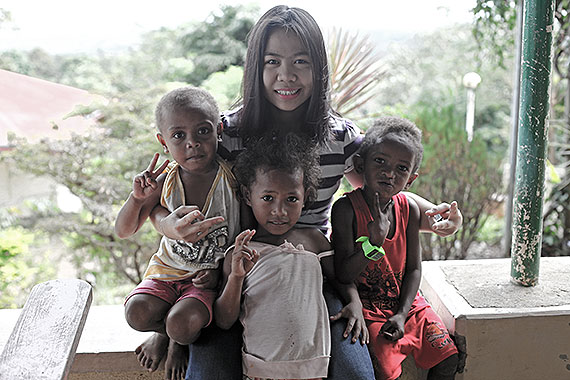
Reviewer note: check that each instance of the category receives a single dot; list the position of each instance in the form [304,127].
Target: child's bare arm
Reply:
[348,293]
[145,195]
[350,260]
[236,265]
[185,223]
[352,311]
[394,328]
[347,265]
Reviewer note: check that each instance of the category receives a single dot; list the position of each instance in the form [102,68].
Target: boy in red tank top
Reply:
[375,235]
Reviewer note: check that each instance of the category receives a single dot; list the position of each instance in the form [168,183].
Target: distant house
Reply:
[35,109]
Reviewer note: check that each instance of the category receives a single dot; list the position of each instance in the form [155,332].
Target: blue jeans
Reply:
[216,355]
[350,361]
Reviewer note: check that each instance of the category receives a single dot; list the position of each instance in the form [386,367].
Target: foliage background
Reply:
[419,78]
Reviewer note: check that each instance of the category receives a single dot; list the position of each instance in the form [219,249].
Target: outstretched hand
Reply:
[187,223]
[243,257]
[379,227]
[445,219]
[144,184]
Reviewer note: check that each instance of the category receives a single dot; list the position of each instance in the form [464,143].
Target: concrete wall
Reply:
[510,332]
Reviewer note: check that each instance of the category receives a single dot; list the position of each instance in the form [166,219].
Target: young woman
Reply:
[285,90]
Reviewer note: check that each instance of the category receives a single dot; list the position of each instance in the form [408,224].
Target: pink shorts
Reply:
[425,338]
[174,291]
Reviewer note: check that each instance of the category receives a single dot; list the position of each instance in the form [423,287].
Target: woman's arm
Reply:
[452,218]
[354,178]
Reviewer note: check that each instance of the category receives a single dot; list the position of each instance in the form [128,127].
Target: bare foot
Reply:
[176,361]
[152,350]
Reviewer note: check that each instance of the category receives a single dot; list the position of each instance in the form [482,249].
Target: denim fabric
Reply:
[216,355]
[349,361]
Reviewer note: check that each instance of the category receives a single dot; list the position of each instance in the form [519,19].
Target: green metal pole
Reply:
[531,152]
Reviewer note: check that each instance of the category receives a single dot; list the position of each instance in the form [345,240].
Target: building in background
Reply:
[36,109]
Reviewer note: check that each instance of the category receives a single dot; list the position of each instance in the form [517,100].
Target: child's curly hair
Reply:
[187,99]
[403,128]
[288,154]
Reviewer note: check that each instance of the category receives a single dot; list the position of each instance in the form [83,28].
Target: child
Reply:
[274,271]
[176,296]
[375,238]
[285,87]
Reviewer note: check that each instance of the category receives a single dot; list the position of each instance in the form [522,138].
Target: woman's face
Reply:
[287,71]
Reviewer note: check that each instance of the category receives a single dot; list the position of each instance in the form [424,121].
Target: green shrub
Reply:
[24,262]
[455,169]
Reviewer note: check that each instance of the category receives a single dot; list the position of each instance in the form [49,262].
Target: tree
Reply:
[417,71]
[22,266]
[98,168]
[219,42]
[5,16]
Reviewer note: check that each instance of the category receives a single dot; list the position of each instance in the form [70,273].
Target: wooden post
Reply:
[43,343]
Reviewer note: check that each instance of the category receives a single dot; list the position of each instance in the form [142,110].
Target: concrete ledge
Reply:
[106,349]
[527,338]
[511,332]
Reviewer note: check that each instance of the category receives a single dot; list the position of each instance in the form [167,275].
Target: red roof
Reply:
[29,107]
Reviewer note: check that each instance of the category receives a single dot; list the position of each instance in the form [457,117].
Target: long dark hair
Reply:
[253,119]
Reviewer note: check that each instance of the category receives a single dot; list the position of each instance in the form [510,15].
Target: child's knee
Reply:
[184,328]
[446,368]
[139,314]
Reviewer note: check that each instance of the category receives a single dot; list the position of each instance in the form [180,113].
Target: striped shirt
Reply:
[335,160]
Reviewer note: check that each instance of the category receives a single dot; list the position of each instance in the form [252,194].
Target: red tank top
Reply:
[380,282]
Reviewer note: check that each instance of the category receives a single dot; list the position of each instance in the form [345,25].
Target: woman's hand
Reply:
[187,223]
[144,184]
[355,324]
[243,257]
[445,219]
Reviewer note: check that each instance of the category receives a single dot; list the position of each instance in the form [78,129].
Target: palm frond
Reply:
[354,68]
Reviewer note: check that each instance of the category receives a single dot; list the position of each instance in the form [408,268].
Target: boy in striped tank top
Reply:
[176,296]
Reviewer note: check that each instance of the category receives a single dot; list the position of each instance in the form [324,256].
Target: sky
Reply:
[71,26]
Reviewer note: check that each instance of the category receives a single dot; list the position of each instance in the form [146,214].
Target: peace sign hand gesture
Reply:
[378,228]
[144,184]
